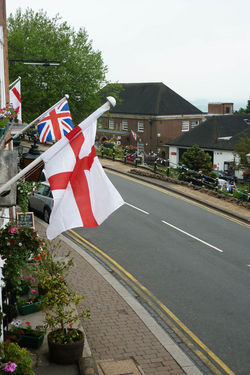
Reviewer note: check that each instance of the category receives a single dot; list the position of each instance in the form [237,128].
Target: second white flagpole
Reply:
[17,177]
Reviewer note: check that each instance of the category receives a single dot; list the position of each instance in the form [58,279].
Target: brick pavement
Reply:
[115,331]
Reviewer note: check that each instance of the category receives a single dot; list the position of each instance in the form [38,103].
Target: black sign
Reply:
[25,219]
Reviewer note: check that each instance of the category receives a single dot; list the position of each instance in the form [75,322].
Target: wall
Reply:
[168,129]
[220,108]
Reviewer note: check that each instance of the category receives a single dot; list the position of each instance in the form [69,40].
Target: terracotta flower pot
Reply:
[65,354]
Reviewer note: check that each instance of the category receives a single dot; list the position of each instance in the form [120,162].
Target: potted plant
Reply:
[25,286]
[26,335]
[17,245]
[29,304]
[60,304]
[15,359]
[7,114]
[49,264]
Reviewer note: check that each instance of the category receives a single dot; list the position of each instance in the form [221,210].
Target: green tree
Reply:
[244,110]
[241,149]
[197,160]
[81,74]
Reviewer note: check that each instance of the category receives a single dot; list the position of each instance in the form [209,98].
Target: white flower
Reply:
[20,244]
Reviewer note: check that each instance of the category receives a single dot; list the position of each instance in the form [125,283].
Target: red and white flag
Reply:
[15,98]
[134,135]
[83,194]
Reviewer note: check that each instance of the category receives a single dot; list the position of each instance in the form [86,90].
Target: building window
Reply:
[140,126]
[194,124]
[124,125]
[185,126]
[111,124]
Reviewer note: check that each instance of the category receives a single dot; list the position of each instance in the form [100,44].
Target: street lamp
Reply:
[37,62]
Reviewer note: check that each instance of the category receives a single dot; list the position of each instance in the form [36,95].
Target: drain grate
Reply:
[124,367]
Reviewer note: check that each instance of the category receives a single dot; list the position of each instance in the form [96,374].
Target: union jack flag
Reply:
[56,123]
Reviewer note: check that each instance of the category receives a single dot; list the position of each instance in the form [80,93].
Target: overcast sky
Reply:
[198,48]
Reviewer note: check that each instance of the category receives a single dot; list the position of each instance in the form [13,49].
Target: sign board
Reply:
[25,219]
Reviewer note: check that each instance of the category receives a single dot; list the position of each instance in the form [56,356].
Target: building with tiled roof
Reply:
[218,136]
[153,111]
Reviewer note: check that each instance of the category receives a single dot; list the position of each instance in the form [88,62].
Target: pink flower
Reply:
[10,367]
[33,291]
[13,230]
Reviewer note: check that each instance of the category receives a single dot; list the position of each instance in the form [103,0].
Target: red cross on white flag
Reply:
[134,135]
[83,194]
[15,99]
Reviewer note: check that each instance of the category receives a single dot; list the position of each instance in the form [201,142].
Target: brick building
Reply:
[154,112]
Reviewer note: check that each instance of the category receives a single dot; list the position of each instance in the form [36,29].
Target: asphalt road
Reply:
[194,260]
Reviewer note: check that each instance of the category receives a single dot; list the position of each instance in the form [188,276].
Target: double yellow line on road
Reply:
[189,338]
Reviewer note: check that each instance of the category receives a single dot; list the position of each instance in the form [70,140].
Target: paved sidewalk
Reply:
[122,336]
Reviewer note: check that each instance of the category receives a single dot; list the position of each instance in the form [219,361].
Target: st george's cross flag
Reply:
[134,135]
[15,98]
[56,123]
[83,194]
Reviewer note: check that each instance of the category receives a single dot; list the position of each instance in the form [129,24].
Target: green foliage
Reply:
[20,328]
[24,189]
[66,336]
[17,245]
[242,148]
[6,114]
[60,305]
[34,36]
[244,110]
[197,159]
[21,357]
[48,264]
[60,302]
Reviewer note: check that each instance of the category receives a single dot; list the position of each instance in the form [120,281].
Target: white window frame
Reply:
[125,125]
[140,126]
[194,123]
[111,124]
[185,126]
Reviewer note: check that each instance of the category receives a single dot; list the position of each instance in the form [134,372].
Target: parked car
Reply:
[41,202]
[230,178]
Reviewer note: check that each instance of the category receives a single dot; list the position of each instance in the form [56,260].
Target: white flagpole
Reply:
[59,145]
[13,83]
[31,123]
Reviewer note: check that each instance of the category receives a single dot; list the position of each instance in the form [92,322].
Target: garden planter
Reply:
[10,337]
[29,308]
[30,341]
[65,354]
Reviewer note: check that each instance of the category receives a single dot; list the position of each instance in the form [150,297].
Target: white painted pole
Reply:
[31,123]
[17,177]
[58,146]
[13,83]
[1,301]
